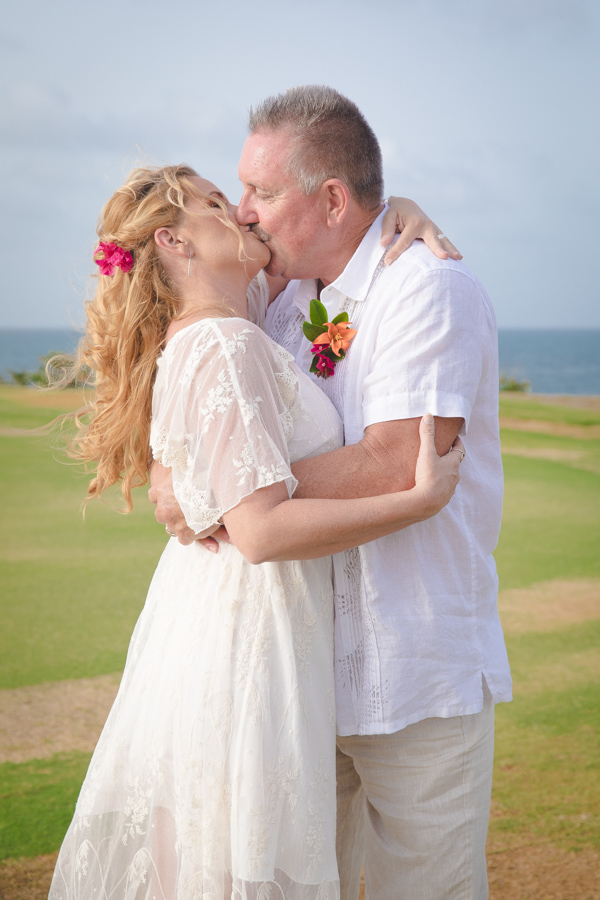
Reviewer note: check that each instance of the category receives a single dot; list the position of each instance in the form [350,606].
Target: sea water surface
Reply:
[21,349]
[552,361]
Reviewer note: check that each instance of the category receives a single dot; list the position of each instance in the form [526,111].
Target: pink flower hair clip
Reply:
[113,257]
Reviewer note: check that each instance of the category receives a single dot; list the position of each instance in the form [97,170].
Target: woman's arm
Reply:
[266,526]
[404,217]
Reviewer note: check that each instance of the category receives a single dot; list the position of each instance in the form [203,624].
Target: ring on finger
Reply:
[170,533]
[440,236]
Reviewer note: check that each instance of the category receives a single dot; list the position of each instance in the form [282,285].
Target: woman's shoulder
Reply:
[212,331]
[212,339]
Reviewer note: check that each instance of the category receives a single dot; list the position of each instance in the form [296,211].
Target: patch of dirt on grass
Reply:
[519,873]
[575,401]
[37,398]
[58,717]
[543,872]
[562,429]
[549,605]
[26,879]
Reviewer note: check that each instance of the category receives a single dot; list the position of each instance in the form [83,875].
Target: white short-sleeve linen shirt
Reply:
[416,619]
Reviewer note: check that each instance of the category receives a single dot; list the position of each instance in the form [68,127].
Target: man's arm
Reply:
[384,460]
[168,512]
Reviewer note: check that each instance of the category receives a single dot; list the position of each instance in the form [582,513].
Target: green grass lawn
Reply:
[37,800]
[71,589]
[551,522]
[71,592]
[547,768]
[547,771]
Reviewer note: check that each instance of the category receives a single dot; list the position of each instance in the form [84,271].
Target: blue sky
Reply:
[486,111]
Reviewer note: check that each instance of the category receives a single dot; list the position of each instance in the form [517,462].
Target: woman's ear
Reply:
[167,239]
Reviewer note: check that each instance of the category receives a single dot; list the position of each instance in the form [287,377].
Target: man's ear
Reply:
[168,239]
[337,201]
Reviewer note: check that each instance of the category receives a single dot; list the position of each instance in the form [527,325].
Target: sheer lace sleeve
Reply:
[219,417]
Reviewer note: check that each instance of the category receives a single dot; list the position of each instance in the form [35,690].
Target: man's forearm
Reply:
[346,473]
[383,461]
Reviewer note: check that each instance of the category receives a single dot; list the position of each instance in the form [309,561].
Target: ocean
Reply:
[552,361]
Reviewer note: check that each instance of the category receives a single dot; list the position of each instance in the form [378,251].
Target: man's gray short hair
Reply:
[331,139]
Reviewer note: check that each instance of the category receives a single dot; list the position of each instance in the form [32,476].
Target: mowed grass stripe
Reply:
[574,452]
[77,625]
[71,589]
[37,801]
[551,523]
[547,760]
[542,663]
[563,410]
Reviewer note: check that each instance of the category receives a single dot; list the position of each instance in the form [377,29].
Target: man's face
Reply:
[291,224]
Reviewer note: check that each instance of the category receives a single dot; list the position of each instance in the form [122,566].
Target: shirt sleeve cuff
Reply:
[416,404]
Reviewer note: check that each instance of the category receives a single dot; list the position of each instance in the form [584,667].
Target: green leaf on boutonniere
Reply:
[343,317]
[312,332]
[318,313]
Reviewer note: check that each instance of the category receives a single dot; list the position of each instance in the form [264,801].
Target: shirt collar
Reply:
[306,290]
[355,280]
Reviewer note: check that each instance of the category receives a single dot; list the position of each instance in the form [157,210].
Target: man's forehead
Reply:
[264,156]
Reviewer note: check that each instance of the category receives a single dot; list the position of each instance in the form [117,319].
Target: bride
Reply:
[214,776]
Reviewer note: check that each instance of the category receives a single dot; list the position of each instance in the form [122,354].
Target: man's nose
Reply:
[245,215]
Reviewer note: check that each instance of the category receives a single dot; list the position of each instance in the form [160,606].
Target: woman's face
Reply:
[214,243]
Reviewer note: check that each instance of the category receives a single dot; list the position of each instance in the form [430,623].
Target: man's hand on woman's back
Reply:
[168,512]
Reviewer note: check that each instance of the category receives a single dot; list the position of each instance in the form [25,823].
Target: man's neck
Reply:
[347,243]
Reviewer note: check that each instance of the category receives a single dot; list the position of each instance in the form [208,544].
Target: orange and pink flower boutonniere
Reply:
[330,340]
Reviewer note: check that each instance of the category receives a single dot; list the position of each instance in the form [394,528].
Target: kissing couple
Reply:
[316,694]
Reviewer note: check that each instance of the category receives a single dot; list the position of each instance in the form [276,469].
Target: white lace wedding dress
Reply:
[214,776]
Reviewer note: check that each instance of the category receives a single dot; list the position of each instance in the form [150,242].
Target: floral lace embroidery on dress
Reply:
[212,371]
[214,776]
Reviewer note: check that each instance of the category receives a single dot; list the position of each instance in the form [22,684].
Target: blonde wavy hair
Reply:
[127,320]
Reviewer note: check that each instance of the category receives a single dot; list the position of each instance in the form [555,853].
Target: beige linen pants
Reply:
[414,807]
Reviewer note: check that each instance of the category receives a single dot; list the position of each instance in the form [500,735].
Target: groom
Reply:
[419,653]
